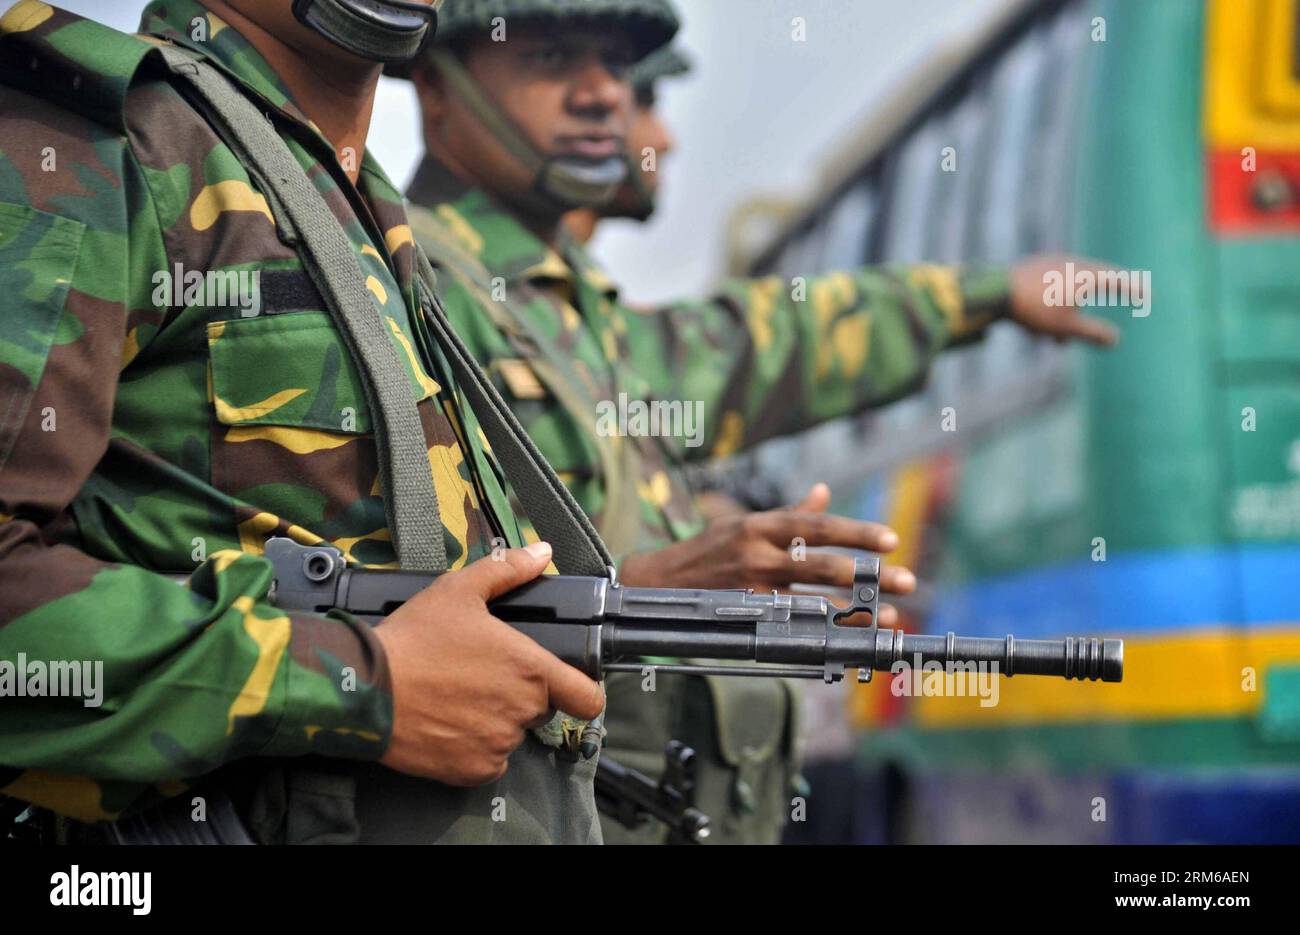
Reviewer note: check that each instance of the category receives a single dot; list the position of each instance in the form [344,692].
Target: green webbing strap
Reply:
[578,549]
[306,222]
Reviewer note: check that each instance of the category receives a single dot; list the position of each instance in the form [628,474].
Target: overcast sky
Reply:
[759,115]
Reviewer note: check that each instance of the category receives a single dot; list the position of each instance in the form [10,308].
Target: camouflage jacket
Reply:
[153,421]
[760,359]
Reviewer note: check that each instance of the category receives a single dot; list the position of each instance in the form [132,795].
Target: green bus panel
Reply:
[1155,470]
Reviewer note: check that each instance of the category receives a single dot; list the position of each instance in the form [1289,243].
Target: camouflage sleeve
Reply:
[767,357]
[118,685]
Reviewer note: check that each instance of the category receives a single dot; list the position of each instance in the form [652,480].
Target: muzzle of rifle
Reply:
[800,636]
[875,649]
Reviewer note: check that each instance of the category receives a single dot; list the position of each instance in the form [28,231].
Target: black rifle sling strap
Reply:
[306,222]
[558,517]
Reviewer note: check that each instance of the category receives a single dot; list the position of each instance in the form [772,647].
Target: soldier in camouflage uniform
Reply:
[523,130]
[744,733]
[640,722]
[150,426]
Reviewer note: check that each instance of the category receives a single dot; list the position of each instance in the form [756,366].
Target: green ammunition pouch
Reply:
[304,803]
[743,732]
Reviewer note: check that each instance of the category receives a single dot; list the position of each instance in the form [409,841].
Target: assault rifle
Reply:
[598,625]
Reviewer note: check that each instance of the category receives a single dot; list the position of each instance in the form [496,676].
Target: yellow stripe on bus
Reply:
[1217,674]
[907,509]
[908,504]
[1279,89]
[1252,97]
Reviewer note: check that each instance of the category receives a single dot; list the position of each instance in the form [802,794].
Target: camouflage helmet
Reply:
[665,62]
[650,23]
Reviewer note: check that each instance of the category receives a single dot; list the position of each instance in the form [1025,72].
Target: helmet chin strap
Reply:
[642,198]
[581,183]
[568,181]
[378,30]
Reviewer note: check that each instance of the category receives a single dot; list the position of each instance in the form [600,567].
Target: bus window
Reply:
[912,178]
[950,224]
[1018,84]
[848,225]
[1047,208]
[804,249]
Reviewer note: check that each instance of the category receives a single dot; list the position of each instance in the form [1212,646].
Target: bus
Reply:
[1151,492]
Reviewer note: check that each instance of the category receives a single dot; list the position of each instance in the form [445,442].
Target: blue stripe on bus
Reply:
[1156,806]
[1137,593]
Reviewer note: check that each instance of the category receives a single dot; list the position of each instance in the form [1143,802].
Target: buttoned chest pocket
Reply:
[292,436]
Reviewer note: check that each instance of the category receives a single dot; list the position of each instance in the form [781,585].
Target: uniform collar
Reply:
[190,24]
[181,21]
[492,235]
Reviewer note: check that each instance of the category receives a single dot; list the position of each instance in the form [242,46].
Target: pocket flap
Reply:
[295,370]
[752,718]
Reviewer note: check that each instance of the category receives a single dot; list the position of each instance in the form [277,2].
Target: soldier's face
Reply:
[567,91]
[648,141]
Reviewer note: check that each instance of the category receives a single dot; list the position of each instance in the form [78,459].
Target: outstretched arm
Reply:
[769,357]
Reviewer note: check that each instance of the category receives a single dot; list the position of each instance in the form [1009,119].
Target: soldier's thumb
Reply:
[506,569]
